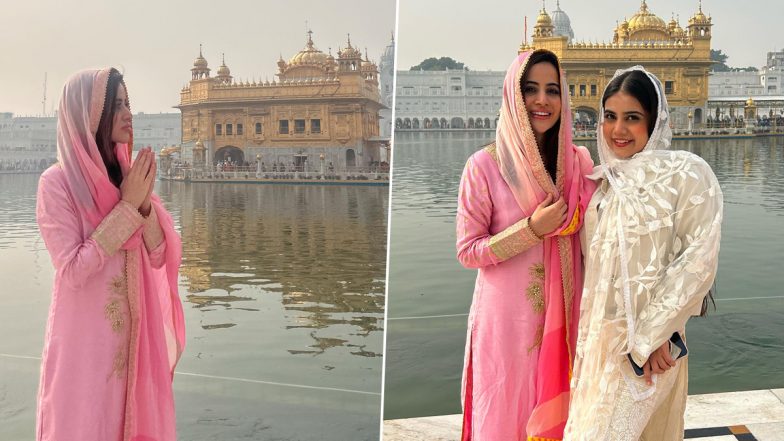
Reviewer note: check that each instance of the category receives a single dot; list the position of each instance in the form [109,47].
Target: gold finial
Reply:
[200,51]
[700,3]
[310,38]
[348,36]
[223,58]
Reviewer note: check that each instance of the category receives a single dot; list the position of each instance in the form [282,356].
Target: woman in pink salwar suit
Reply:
[521,203]
[115,329]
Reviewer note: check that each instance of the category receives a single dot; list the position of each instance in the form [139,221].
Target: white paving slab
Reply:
[767,431]
[762,411]
[779,393]
[437,428]
[733,408]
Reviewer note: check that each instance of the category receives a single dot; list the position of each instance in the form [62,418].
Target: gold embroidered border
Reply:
[117,227]
[541,438]
[515,239]
[565,252]
[153,233]
[133,278]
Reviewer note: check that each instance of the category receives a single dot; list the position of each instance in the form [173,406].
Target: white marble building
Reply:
[769,81]
[39,133]
[450,99]
[386,68]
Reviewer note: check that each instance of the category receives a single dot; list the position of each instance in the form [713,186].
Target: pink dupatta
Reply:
[157,325]
[523,170]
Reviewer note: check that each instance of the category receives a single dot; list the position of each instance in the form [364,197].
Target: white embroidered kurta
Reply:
[671,212]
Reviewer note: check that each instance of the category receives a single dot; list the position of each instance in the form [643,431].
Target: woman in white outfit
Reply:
[651,244]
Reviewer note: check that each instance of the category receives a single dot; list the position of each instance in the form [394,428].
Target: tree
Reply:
[442,63]
[719,61]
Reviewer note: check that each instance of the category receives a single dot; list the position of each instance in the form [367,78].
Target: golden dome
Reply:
[699,18]
[349,51]
[543,19]
[223,70]
[646,20]
[200,62]
[749,102]
[309,55]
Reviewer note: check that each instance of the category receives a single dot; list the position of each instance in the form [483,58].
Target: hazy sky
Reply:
[486,34]
[155,42]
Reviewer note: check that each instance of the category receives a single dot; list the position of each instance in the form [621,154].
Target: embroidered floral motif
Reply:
[492,151]
[113,310]
[538,337]
[117,314]
[119,363]
[535,290]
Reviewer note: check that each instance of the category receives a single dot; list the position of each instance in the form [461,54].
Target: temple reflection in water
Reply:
[321,248]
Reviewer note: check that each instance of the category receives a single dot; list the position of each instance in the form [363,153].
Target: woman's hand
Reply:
[136,186]
[548,216]
[146,206]
[659,362]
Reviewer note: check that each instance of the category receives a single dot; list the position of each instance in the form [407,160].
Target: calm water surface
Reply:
[283,288]
[738,347]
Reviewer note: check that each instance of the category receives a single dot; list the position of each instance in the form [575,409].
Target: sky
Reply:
[485,35]
[154,43]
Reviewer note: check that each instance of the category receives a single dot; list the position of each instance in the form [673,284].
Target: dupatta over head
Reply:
[612,168]
[157,327]
[524,171]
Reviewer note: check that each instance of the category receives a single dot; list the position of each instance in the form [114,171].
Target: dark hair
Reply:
[103,136]
[548,151]
[708,298]
[637,84]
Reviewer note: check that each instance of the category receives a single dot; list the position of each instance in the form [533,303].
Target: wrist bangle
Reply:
[531,230]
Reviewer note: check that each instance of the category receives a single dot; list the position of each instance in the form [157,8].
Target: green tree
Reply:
[442,63]
[719,59]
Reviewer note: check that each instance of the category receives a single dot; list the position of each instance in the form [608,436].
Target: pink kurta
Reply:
[506,321]
[87,350]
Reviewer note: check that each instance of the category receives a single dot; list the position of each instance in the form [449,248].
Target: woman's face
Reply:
[121,124]
[625,125]
[542,97]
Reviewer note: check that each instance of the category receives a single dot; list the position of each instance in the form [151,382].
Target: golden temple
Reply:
[679,57]
[320,108]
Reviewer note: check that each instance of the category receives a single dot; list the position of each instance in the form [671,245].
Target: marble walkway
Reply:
[747,416]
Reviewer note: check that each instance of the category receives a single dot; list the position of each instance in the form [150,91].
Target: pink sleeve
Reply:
[154,240]
[476,246]
[74,257]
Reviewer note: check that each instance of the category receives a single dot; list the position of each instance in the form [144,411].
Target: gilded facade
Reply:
[679,57]
[320,108]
